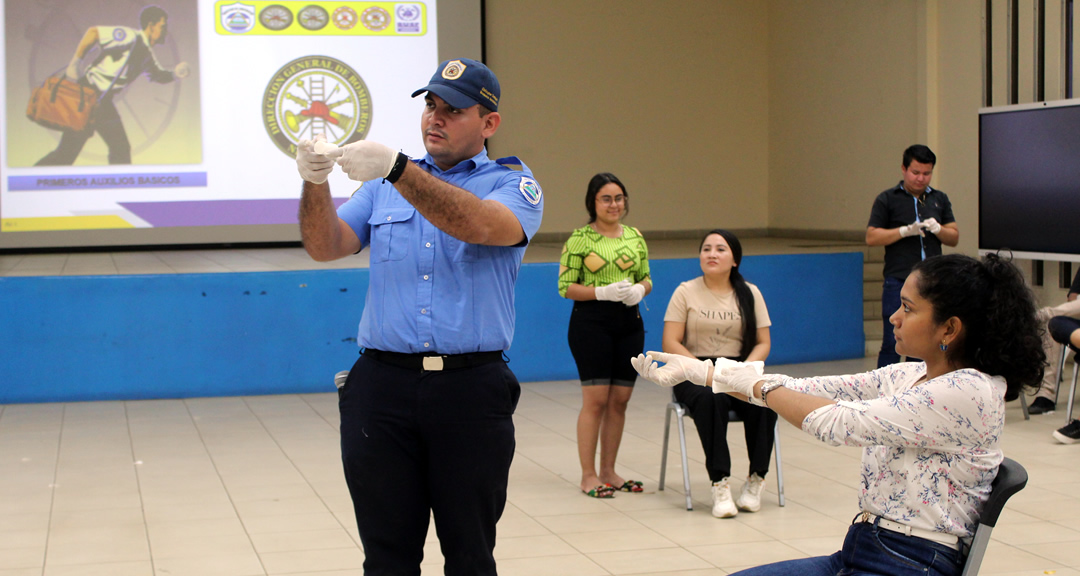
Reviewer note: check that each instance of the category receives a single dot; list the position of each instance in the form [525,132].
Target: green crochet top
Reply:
[592,259]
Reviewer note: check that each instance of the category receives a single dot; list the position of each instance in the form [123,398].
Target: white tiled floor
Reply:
[253,486]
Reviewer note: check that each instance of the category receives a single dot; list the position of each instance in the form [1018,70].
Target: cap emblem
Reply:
[453,70]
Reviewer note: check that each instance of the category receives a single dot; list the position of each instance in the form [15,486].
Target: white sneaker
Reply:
[750,495]
[722,506]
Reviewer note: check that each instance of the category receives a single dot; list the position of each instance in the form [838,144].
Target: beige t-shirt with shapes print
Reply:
[713,321]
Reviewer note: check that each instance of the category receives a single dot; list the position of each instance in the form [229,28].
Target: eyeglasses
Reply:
[620,199]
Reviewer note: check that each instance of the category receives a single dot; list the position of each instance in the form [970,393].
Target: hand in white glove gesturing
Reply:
[931,225]
[911,230]
[676,368]
[636,293]
[614,292]
[732,376]
[313,167]
[364,160]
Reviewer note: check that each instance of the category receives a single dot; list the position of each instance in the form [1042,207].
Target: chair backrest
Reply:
[1011,478]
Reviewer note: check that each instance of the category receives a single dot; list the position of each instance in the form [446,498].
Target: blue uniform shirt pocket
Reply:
[389,233]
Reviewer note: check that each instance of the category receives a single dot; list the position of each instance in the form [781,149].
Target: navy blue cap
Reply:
[463,83]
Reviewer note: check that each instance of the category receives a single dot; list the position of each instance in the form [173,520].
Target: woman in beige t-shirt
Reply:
[719,314]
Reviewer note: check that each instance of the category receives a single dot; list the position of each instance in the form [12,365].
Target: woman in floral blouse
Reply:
[930,431]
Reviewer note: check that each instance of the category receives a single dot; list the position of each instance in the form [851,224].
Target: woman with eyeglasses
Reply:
[604,269]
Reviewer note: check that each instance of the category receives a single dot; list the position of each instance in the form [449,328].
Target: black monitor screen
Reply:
[1029,178]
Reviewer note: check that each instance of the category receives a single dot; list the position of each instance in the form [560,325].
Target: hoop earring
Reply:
[943,346]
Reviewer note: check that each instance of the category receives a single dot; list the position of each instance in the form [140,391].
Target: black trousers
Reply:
[106,122]
[711,415]
[416,443]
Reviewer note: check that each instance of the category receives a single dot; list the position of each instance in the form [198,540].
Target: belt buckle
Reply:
[433,363]
[866,517]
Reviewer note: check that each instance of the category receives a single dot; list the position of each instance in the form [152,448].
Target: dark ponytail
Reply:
[743,295]
[1001,334]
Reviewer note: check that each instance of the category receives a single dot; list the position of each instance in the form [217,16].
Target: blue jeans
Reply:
[869,550]
[890,302]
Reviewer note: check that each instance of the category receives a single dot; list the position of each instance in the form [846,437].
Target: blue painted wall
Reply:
[168,336]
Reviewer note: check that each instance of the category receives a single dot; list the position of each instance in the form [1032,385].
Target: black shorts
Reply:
[603,337]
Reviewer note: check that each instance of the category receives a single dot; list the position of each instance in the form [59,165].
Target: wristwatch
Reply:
[767,387]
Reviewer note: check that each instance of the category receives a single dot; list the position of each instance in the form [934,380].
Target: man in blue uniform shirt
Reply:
[426,412]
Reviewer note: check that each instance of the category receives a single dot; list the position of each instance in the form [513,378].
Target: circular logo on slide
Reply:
[313,17]
[316,95]
[344,18]
[276,17]
[375,19]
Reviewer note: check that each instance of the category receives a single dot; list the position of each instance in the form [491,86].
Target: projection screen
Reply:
[196,107]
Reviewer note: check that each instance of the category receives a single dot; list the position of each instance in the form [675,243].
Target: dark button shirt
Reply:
[894,208]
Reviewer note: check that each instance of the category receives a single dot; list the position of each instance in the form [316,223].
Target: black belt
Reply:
[433,362]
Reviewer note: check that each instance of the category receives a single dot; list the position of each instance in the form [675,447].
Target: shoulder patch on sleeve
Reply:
[530,190]
[511,162]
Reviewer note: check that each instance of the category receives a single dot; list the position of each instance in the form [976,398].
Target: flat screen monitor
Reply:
[159,122]
[1029,180]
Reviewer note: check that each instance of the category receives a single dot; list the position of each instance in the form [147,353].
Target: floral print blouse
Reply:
[930,450]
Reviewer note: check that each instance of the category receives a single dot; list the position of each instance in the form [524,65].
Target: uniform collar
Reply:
[467,165]
[900,189]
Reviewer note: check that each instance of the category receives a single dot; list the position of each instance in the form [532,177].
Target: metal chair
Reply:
[680,409]
[1011,478]
[1060,332]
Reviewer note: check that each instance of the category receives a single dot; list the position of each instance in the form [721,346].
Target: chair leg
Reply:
[1072,393]
[779,463]
[685,465]
[1061,372]
[1023,406]
[663,453]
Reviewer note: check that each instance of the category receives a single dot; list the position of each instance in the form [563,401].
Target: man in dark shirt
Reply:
[911,220]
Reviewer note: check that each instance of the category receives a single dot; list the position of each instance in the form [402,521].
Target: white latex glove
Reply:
[72,71]
[911,230]
[636,293]
[732,376]
[931,225]
[365,160]
[676,368]
[182,70]
[314,168]
[614,292]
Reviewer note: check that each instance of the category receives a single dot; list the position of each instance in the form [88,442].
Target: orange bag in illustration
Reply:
[61,104]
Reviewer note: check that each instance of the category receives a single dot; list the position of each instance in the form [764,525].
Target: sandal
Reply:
[632,486]
[601,491]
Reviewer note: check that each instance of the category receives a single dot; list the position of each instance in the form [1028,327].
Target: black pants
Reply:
[603,337]
[711,415]
[417,443]
[106,122]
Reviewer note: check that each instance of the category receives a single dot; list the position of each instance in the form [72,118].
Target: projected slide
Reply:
[129,114]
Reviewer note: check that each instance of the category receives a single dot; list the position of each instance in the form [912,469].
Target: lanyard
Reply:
[922,246]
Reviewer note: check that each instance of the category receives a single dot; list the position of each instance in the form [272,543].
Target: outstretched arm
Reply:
[457,212]
[325,236]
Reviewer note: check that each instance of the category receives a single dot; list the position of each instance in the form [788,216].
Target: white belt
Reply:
[950,540]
